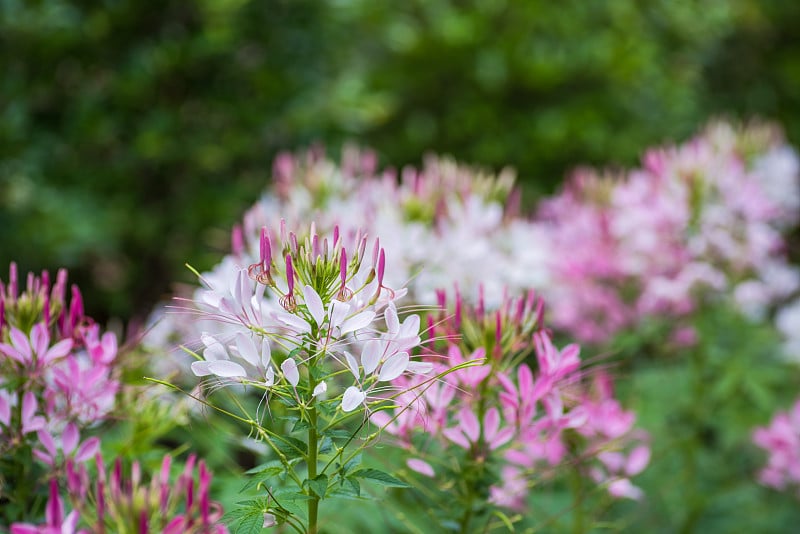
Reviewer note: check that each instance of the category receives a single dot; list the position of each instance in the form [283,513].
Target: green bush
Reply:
[133,134]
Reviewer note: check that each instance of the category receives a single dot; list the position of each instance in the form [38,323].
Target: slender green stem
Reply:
[578,525]
[313,503]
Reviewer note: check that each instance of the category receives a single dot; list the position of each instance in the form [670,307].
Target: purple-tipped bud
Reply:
[343,267]
[361,248]
[45,287]
[205,483]
[293,242]
[60,287]
[265,250]
[284,235]
[45,310]
[237,240]
[316,250]
[164,483]
[31,284]
[457,312]
[115,484]
[12,282]
[144,527]
[381,267]
[335,236]
[441,299]
[55,508]
[289,274]
[2,311]
[375,250]
[75,308]
[480,306]
[498,327]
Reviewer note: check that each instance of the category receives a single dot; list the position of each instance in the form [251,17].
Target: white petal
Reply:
[339,311]
[200,368]
[226,368]
[270,377]
[392,322]
[352,398]
[410,327]
[371,355]
[266,353]
[247,349]
[295,323]
[421,368]
[215,352]
[394,367]
[314,304]
[321,388]
[208,339]
[289,368]
[358,321]
[352,364]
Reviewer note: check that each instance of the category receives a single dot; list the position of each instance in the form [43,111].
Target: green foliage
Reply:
[132,132]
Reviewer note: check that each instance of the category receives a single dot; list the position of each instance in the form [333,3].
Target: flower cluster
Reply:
[504,415]
[312,300]
[56,376]
[781,440]
[703,216]
[114,503]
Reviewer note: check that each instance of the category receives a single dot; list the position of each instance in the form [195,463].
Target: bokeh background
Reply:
[134,133]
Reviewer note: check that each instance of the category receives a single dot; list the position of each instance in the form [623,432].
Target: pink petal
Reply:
[49,443]
[25,528]
[88,449]
[20,342]
[11,352]
[40,339]
[491,424]
[637,460]
[59,350]
[421,467]
[501,438]
[455,435]
[70,438]
[470,425]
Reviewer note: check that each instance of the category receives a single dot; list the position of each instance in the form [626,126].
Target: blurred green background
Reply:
[133,134]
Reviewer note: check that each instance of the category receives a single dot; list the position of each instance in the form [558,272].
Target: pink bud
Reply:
[75,308]
[237,240]
[335,235]
[289,274]
[381,267]
[343,267]
[265,250]
[12,281]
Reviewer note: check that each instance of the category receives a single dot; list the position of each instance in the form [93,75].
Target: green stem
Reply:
[313,503]
[577,489]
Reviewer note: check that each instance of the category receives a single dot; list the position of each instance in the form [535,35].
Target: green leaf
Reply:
[291,446]
[267,469]
[319,485]
[380,477]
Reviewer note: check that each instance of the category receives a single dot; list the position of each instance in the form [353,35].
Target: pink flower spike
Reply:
[381,267]
[75,308]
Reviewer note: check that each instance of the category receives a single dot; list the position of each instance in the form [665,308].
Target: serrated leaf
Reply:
[319,485]
[271,468]
[300,424]
[380,477]
[326,446]
[337,433]
[290,446]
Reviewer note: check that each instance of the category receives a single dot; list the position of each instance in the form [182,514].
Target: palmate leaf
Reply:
[379,477]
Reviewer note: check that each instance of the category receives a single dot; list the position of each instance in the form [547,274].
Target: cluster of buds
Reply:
[126,505]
